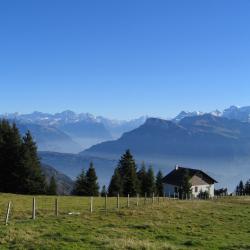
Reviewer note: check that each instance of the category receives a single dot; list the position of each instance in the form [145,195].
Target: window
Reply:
[196,189]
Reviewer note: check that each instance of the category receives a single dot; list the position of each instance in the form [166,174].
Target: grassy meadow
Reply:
[170,224]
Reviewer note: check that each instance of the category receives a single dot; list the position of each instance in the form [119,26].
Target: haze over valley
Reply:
[218,142]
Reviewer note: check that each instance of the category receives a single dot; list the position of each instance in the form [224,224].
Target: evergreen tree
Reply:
[185,187]
[10,157]
[33,181]
[142,178]
[91,181]
[159,184]
[127,169]
[80,187]
[52,187]
[104,191]
[115,186]
[150,182]
[240,188]
[20,169]
[247,187]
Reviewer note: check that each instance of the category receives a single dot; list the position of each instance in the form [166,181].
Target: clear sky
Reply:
[124,58]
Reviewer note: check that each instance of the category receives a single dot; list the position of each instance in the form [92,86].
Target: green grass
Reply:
[221,224]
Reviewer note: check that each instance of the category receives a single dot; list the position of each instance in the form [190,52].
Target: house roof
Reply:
[175,177]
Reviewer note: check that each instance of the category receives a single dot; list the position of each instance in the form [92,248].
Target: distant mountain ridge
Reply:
[69,132]
[216,144]
[233,113]
[199,135]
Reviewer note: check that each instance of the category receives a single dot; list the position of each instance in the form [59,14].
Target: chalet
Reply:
[199,180]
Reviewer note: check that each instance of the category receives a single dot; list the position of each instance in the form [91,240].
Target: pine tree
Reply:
[142,178]
[127,169]
[150,182]
[20,170]
[33,181]
[91,180]
[80,187]
[185,187]
[159,184]
[240,188]
[104,191]
[115,186]
[52,187]
[247,187]
[10,158]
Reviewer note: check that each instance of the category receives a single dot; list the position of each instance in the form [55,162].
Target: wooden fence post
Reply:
[128,201]
[145,198]
[153,198]
[34,208]
[158,198]
[106,203]
[91,204]
[7,214]
[118,201]
[56,207]
[137,200]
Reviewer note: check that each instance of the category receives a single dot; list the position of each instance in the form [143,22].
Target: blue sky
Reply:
[123,59]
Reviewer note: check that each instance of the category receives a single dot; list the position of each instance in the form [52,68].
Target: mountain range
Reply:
[216,142]
[69,132]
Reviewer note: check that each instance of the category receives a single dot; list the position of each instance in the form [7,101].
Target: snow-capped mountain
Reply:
[238,113]
[184,114]
[82,129]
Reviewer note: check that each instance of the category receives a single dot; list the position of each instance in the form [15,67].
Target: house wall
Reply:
[170,189]
[203,188]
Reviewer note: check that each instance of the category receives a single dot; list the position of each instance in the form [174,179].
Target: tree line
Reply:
[242,189]
[125,180]
[20,167]
[21,171]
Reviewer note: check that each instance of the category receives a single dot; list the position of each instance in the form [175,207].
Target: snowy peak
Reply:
[184,114]
[238,113]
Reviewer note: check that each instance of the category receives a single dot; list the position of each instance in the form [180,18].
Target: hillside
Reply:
[170,225]
[64,183]
[49,138]
[214,144]
[72,164]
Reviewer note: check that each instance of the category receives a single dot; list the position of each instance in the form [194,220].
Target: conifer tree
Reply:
[159,184]
[247,187]
[80,187]
[33,181]
[240,188]
[127,169]
[185,187]
[115,186]
[150,181]
[10,157]
[20,169]
[91,181]
[142,178]
[52,187]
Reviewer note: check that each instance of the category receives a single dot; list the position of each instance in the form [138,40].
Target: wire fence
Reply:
[22,207]
[15,208]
